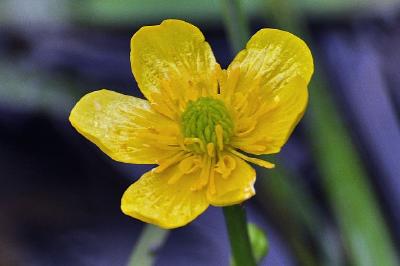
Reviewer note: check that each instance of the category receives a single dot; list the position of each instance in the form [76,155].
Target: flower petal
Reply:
[164,200]
[273,128]
[174,60]
[269,79]
[125,127]
[234,188]
[272,57]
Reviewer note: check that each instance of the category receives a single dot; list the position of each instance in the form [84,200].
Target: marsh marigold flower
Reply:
[199,123]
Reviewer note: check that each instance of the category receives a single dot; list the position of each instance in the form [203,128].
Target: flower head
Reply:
[198,121]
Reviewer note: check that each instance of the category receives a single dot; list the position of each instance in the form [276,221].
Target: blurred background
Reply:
[334,198]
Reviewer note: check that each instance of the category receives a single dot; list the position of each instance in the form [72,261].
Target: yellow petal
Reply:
[165,200]
[234,188]
[272,57]
[273,129]
[124,127]
[269,80]
[173,60]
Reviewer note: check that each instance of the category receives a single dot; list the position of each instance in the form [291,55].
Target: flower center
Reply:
[208,120]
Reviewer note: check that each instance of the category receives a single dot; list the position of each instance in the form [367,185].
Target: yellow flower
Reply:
[197,117]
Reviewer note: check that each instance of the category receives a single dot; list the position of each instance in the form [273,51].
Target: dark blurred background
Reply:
[60,196]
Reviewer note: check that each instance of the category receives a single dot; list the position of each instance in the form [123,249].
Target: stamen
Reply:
[169,92]
[189,165]
[219,133]
[211,184]
[256,161]
[240,100]
[256,148]
[163,109]
[192,141]
[169,140]
[175,178]
[210,149]
[204,175]
[246,127]
[186,166]
[171,161]
[231,82]
[204,119]
[226,165]
[192,93]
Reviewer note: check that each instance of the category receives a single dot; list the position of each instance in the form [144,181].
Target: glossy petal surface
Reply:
[273,128]
[175,54]
[274,56]
[235,188]
[151,199]
[124,127]
[270,76]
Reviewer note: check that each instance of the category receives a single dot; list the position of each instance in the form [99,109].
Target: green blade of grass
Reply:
[150,240]
[363,229]
[290,204]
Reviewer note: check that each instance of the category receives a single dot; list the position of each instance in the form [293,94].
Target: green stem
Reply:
[236,223]
[236,24]
[235,216]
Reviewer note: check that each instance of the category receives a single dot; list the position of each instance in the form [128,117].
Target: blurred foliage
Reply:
[259,241]
[364,238]
[33,90]
[285,196]
[345,180]
[144,252]
[134,12]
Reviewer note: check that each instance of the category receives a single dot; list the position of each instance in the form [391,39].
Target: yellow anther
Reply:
[186,166]
[189,165]
[226,165]
[194,141]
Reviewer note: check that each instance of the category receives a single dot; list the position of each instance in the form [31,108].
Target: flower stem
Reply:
[236,223]
[236,24]
[235,216]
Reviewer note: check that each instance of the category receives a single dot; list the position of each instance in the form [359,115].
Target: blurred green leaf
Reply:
[345,181]
[289,203]
[259,241]
[150,240]
[35,90]
[136,12]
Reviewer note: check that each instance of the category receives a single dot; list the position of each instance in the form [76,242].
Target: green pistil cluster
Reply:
[201,117]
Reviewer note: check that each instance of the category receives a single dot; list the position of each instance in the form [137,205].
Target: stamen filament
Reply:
[256,161]
[211,149]
[204,175]
[219,133]
[190,141]
[171,161]
[211,184]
